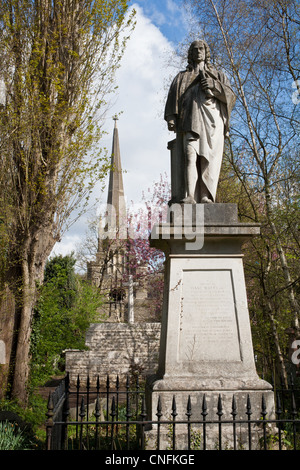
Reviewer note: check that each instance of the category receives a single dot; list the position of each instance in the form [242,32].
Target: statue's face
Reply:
[198,52]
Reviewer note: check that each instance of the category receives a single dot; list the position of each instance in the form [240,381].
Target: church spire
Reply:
[116,207]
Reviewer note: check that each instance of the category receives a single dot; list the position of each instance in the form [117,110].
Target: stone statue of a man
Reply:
[198,108]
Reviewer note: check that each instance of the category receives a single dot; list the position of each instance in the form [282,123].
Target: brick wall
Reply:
[115,349]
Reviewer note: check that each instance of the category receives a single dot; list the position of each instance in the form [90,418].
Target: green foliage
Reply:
[66,307]
[32,418]
[57,73]
[12,437]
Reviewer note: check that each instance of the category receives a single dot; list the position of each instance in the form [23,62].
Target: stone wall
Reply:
[115,349]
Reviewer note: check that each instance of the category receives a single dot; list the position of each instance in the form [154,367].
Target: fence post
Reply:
[66,412]
[264,414]
[234,413]
[189,414]
[128,416]
[249,413]
[294,417]
[49,422]
[220,414]
[97,416]
[278,413]
[113,416]
[82,415]
[159,415]
[204,415]
[107,402]
[143,417]
[174,414]
[77,404]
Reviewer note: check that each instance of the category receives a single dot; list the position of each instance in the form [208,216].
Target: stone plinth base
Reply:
[206,344]
[213,416]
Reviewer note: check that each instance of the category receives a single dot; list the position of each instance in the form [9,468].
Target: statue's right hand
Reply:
[171,125]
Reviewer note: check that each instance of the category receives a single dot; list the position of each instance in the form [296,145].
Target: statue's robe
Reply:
[202,119]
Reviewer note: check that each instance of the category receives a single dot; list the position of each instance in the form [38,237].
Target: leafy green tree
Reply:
[66,307]
[58,62]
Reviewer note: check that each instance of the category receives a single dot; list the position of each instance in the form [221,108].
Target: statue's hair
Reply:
[190,54]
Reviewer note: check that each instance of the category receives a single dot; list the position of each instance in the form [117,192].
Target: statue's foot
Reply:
[206,200]
[188,200]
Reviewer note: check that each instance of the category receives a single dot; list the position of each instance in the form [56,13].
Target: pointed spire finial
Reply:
[115,118]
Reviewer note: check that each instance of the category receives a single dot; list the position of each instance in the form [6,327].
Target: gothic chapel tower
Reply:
[108,271]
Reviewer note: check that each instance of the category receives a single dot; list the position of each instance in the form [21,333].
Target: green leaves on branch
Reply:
[66,307]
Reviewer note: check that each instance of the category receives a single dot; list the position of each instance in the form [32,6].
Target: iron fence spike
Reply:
[189,408]
[220,406]
[174,404]
[233,406]
[249,411]
[159,405]
[50,405]
[143,409]
[204,404]
[113,405]
[263,403]
[189,404]
[82,409]
[220,403]
[97,408]
[134,405]
[248,402]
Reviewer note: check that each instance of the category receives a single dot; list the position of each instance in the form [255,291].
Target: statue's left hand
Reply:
[207,83]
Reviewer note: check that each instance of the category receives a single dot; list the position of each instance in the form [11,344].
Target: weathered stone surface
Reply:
[198,109]
[211,428]
[115,349]
[206,344]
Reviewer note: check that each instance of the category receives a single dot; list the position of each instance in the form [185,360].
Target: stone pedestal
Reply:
[206,345]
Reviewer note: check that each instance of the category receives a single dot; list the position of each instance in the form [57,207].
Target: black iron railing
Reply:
[112,416]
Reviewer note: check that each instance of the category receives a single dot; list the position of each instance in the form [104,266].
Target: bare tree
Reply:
[256,44]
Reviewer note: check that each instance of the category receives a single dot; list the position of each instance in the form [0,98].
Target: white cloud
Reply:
[142,130]
[173,7]
[67,245]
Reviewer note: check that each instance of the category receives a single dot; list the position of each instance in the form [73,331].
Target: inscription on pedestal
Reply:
[208,320]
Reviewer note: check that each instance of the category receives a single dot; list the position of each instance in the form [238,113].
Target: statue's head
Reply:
[191,52]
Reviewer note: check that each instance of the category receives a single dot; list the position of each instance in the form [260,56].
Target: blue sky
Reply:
[167,15]
[143,80]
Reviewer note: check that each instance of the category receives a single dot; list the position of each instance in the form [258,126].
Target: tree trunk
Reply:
[7,307]
[275,337]
[283,262]
[24,315]
[31,273]
[288,279]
